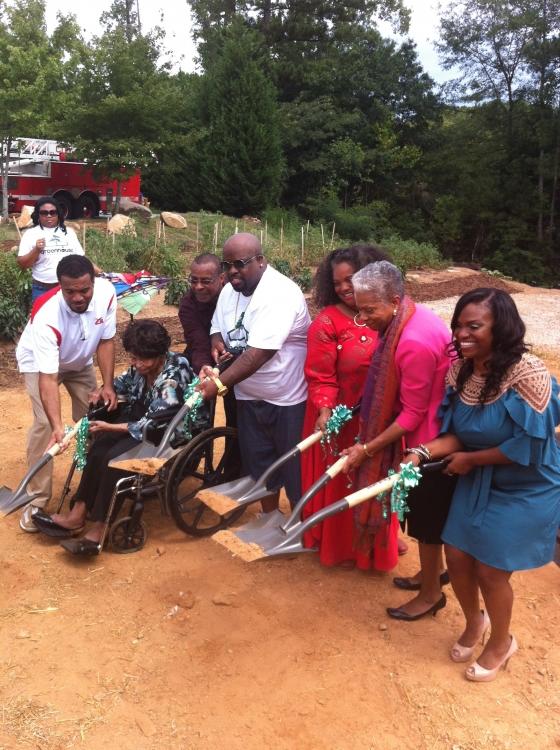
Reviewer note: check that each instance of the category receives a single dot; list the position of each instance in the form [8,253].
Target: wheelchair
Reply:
[208,459]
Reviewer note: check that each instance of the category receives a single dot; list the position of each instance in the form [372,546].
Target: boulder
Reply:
[120,224]
[176,221]
[24,219]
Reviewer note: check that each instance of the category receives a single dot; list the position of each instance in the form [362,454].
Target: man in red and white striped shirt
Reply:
[68,325]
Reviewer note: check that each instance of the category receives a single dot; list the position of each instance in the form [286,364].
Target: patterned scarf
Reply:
[376,414]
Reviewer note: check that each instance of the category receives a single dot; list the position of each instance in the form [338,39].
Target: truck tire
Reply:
[67,205]
[86,207]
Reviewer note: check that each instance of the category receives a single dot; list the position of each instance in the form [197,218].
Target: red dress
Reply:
[338,357]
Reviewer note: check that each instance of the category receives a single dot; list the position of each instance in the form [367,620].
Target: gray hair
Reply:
[381,278]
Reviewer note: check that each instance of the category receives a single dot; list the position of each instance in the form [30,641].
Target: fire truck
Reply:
[40,167]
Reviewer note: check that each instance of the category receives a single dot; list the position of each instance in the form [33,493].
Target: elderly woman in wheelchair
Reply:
[153,386]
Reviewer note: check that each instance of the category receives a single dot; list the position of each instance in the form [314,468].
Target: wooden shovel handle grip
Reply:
[57,447]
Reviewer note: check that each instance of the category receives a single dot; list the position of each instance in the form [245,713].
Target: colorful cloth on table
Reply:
[168,390]
[407,390]
[338,356]
[507,516]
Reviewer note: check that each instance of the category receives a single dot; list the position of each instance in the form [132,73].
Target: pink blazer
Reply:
[422,359]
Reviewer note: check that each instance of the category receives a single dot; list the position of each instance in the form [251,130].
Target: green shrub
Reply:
[409,254]
[300,274]
[15,297]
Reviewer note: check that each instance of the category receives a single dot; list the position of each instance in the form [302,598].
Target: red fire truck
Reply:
[40,167]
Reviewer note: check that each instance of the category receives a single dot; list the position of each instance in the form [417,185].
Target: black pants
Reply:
[98,480]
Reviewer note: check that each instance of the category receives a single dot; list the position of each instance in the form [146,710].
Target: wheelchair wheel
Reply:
[124,539]
[203,463]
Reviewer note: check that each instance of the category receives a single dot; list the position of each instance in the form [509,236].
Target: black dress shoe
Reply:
[399,614]
[47,526]
[86,547]
[409,585]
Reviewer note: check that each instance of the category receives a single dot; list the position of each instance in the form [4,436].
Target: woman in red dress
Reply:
[339,352]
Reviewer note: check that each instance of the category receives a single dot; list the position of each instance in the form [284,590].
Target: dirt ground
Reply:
[181,646]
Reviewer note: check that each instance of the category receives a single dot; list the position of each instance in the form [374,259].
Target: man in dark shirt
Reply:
[197,307]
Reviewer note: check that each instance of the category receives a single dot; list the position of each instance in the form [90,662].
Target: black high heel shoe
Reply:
[399,614]
[409,585]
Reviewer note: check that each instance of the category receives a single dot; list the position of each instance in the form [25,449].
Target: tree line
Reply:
[304,105]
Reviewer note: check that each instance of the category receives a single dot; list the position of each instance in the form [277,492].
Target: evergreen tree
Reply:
[241,164]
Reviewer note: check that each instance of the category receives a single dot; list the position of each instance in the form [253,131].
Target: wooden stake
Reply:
[261,237]
[19,233]
[236,227]
[302,244]
[281,234]
[84,236]
[307,226]
[332,237]
[163,233]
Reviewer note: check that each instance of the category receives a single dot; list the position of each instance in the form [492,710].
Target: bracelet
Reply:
[421,451]
[368,454]
[427,451]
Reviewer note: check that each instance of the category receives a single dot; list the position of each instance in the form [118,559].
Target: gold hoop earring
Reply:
[360,325]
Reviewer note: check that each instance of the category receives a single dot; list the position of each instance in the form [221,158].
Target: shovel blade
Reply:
[11,500]
[271,542]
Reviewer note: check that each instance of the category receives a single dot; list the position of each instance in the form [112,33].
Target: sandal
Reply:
[45,524]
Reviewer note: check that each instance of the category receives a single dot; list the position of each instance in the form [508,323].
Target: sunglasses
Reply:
[49,212]
[239,265]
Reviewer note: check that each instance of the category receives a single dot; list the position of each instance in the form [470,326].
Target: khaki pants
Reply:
[79,385]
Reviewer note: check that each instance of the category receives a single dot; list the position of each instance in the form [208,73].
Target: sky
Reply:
[174,17]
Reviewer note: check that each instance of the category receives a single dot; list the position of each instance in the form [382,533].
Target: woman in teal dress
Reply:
[498,432]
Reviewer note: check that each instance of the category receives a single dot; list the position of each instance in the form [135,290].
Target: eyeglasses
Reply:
[205,282]
[49,212]
[239,265]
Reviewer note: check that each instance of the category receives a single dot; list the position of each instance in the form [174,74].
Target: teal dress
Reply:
[507,516]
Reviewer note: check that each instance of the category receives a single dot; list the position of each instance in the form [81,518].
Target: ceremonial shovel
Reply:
[11,500]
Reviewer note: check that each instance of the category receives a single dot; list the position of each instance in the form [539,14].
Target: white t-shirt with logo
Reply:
[58,340]
[57,246]
[275,317]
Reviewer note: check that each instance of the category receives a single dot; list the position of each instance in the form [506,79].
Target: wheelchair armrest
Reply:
[154,428]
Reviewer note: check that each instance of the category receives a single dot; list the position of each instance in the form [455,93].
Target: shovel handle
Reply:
[371,490]
[57,447]
[309,441]
[337,467]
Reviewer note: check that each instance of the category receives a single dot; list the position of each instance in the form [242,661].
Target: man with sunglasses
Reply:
[260,327]
[197,308]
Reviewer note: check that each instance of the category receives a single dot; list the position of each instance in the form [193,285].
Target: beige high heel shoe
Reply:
[460,653]
[476,673]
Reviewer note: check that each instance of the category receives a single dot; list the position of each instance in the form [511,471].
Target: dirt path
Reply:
[183,647]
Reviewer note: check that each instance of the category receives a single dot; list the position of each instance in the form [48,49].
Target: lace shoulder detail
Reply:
[532,381]
[453,372]
[529,378]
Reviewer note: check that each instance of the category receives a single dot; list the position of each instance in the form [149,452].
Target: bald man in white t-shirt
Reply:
[260,322]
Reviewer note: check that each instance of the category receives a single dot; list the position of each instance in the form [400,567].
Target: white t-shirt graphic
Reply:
[57,246]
